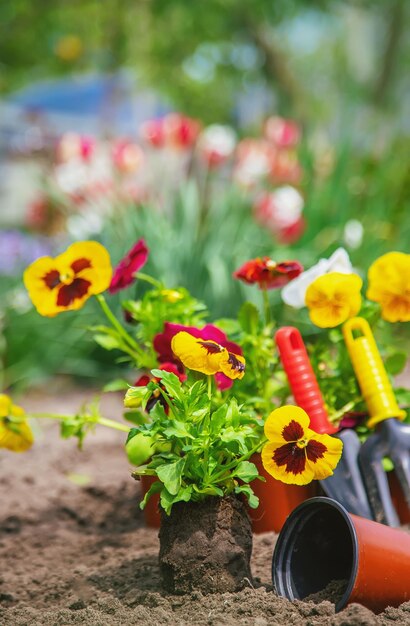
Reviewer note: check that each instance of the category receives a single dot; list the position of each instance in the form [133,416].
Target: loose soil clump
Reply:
[74,548]
[206,546]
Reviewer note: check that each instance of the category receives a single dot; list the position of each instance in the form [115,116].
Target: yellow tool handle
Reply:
[370,372]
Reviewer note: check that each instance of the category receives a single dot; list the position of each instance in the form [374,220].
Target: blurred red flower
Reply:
[268,274]
[126,269]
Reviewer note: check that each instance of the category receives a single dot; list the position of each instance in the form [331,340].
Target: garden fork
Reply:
[392,438]
[345,485]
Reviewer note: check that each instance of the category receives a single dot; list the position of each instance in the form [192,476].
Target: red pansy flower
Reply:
[127,268]
[268,274]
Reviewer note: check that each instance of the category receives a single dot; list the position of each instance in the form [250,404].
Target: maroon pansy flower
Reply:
[126,269]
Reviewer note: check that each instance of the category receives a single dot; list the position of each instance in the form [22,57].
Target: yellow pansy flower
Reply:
[207,356]
[15,433]
[389,285]
[296,454]
[333,298]
[64,283]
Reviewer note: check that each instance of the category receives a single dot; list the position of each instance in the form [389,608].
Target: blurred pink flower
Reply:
[284,133]
[181,131]
[153,133]
[127,156]
[75,146]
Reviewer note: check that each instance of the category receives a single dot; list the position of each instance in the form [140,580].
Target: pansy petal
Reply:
[389,285]
[294,294]
[282,422]
[333,298]
[17,438]
[96,264]
[66,282]
[5,405]
[323,453]
[279,462]
[232,365]
[197,354]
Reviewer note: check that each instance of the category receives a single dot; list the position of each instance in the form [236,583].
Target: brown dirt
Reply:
[206,546]
[74,549]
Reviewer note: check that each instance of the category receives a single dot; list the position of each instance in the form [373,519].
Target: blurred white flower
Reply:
[217,143]
[294,293]
[254,158]
[353,234]
[84,225]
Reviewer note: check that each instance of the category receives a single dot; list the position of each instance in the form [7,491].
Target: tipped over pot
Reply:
[322,545]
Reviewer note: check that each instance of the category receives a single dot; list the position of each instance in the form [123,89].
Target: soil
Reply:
[74,548]
[206,546]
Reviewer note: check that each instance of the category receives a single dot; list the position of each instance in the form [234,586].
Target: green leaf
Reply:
[171,383]
[396,363]
[119,384]
[107,342]
[178,430]
[253,500]
[246,471]
[248,318]
[171,475]
[155,488]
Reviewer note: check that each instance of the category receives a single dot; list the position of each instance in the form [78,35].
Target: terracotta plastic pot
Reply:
[321,543]
[276,500]
[151,511]
[400,504]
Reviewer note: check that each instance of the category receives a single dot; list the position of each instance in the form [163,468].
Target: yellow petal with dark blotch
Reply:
[281,418]
[198,354]
[233,366]
[283,471]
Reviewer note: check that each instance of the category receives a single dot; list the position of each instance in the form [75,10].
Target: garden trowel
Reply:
[392,438]
[345,485]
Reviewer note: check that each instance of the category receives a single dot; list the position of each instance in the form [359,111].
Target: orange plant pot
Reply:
[401,506]
[276,500]
[151,511]
[321,542]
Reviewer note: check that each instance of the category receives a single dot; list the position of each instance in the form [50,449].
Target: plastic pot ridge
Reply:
[321,542]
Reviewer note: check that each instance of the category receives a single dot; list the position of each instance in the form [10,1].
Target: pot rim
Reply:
[281,575]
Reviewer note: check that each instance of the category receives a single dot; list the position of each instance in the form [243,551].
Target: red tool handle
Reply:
[302,379]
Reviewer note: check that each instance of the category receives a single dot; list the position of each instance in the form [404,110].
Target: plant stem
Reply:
[266,306]
[244,457]
[148,279]
[103,421]
[118,327]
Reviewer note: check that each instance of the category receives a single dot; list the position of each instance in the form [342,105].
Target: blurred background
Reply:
[218,131]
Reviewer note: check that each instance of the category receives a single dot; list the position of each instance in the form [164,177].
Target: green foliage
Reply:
[208,446]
